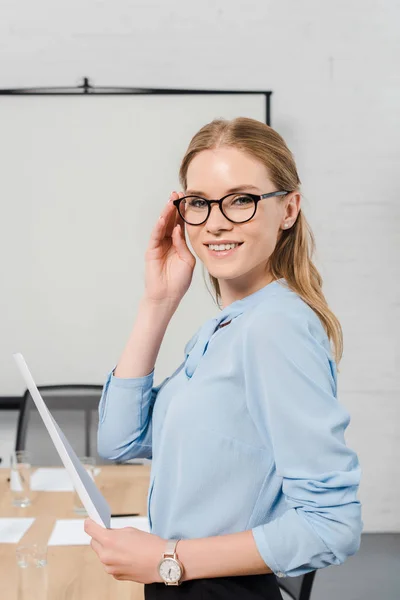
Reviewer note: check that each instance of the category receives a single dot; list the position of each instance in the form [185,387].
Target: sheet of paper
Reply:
[12,530]
[53,479]
[70,532]
[91,498]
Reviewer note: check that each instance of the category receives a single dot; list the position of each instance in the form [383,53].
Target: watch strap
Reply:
[171,548]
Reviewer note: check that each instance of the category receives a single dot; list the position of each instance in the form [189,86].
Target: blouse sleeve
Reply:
[125,411]
[291,394]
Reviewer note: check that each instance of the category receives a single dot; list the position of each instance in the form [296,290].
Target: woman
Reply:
[250,470]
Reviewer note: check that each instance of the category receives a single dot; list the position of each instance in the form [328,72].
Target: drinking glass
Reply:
[32,572]
[89,462]
[20,478]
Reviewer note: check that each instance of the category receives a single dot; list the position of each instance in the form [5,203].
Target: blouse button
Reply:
[280,574]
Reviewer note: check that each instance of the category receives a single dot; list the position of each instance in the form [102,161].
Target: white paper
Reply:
[70,532]
[53,479]
[95,504]
[12,530]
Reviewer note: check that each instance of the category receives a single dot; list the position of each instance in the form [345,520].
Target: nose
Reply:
[216,219]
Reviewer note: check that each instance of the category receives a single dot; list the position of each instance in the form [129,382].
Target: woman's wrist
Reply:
[161,546]
[167,306]
[221,556]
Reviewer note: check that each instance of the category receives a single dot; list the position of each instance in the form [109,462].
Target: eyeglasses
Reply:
[237,208]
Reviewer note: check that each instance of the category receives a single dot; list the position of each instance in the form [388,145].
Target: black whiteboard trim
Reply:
[86,89]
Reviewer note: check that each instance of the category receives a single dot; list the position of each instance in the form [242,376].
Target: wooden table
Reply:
[75,572]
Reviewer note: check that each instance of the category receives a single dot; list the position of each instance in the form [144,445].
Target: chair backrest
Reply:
[297,588]
[74,408]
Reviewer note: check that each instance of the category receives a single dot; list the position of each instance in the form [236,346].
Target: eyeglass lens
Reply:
[236,207]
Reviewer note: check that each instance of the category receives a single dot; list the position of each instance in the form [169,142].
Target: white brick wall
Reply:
[333,68]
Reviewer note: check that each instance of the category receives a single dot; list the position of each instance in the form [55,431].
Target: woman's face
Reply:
[212,174]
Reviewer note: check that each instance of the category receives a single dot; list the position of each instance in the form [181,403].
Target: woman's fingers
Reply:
[178,216]
[159,229]
[156,235]
[171,215]
[179,221]
[96,546]
[178,241]
[181,246]
[166,222]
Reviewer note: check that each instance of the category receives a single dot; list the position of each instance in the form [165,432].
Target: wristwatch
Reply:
[170,568]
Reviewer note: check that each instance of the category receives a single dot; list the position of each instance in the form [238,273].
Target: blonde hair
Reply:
[291,258]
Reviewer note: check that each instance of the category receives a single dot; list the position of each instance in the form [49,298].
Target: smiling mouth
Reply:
[223,253]
[223,244]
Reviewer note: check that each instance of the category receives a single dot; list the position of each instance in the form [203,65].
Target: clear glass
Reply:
[32,572]
[20,478]
[89,462]
[236,207]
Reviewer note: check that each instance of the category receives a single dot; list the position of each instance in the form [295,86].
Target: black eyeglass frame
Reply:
[255,197]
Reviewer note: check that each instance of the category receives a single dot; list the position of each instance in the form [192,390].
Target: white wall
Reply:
[333,68]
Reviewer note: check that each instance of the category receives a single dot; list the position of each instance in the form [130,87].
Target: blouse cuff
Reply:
[129,382]
[265,551]
[113,382]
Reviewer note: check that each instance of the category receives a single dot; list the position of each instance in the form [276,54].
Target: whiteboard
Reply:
[83,181]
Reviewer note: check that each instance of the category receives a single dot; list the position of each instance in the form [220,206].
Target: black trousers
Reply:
[241,587]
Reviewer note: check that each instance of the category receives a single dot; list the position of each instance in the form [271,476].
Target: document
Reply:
[95,504]
[53,479]
[70,532]
[13,529]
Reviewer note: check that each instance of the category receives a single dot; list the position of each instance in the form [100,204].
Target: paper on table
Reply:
[70,532]
[91,498]
[12,530]
[53,479]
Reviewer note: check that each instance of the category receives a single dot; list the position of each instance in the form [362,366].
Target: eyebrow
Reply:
[238,188]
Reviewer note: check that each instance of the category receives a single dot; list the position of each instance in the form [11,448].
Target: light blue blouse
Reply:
[246,434]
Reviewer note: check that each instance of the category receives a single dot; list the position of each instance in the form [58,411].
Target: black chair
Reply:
[297,588]
[74,408]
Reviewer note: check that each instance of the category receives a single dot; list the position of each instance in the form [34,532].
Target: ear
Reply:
[292,207]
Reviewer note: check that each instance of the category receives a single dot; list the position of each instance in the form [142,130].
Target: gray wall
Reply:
[333,68]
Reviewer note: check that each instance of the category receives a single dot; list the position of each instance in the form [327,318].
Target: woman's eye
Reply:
[197,203]
[243,199]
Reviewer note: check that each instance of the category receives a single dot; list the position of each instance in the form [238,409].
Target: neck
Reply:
[235,289]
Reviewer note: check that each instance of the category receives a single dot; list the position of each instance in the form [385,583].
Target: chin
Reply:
[225,273]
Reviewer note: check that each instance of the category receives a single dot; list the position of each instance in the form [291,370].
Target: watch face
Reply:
[170,570]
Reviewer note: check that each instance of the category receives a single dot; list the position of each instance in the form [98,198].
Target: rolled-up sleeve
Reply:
[291,395]
[125,411]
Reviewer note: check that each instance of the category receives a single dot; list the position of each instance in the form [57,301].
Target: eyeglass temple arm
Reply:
[271,194]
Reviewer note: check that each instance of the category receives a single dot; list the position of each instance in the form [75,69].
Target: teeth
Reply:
[222,246]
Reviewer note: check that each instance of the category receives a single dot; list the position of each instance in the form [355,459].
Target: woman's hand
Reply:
[169,262]
[127,554]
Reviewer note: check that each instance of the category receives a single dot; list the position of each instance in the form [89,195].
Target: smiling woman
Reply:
[251,478]
[245,155]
